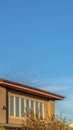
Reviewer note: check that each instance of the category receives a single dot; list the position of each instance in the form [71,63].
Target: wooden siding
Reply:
[2,103]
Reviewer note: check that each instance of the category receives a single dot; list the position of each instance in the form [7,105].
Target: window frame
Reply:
[25,98]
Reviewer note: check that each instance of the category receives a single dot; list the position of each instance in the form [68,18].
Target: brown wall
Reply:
[2,102]
[51,107]
[45,108]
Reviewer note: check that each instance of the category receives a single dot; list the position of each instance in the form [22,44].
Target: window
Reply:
[17,106]
[27,107]
[11,105]
[22,107]
[41,110]
[32,106]
[36,109]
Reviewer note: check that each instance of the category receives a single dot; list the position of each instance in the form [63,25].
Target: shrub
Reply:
[50,123]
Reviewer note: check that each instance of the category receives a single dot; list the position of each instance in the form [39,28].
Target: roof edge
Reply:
[58,97]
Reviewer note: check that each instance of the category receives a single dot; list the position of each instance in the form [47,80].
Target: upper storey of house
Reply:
[16,99]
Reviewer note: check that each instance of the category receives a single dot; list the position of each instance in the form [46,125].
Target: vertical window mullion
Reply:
[43,110]
[34,110]
[29,104]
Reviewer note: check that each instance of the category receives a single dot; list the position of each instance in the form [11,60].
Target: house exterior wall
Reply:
[49,107]
[2,103]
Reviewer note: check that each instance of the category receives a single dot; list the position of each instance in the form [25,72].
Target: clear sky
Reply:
[36,46]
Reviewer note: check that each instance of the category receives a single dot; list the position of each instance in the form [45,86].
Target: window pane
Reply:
[36,109]
[17,106]
[41,110]
[27,108]
[22,107]
[32,106]
[11,105]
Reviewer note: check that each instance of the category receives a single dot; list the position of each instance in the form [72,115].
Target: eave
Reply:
[30,90]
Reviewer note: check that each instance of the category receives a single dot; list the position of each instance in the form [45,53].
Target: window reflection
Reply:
[41,110]
[32,106]
[17,106]
[36,109]
[11,105]
[27,107]
[22,107]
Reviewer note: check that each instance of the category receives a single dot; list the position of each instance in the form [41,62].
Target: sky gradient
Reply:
[36,46]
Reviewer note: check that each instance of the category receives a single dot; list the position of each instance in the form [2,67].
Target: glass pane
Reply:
[11,105]
[27,107]
[41,110]
[22,107]
[36,109]
[17,106]
[32,106]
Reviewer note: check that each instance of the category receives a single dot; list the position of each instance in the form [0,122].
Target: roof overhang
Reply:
[30,90]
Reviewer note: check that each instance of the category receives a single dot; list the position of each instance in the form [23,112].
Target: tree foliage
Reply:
[50,123]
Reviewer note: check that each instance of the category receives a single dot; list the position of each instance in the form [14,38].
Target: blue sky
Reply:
[36,46]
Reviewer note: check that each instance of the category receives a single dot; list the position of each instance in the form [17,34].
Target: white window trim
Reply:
[25,107]
[43,110]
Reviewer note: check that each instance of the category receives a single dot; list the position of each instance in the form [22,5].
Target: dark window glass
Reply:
[11,105]
[17,106]
[32,106]
[41,110]
[27,108]
[36,108]
[22,107]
